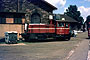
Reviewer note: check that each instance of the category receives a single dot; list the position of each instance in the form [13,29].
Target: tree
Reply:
[73,12]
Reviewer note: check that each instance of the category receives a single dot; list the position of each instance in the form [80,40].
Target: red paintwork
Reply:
[62,30]
[89,32]
[43,28]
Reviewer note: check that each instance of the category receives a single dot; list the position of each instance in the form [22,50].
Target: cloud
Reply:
[57,3]
[84,11]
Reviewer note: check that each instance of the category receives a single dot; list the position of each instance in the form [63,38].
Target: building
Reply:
[14,13]
[67,19]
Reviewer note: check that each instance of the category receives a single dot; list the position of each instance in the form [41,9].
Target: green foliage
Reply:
[73,12]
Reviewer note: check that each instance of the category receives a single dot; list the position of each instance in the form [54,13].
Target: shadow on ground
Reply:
[2,40]
[48,40]
[88,38]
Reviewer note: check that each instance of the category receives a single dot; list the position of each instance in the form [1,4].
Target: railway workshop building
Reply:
[14,13]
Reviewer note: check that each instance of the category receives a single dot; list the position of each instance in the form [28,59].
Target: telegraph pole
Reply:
[17,5]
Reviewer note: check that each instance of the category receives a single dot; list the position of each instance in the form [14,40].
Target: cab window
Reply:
[66,25]
[60,24]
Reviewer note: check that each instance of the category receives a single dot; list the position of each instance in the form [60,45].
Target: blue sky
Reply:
[62,5]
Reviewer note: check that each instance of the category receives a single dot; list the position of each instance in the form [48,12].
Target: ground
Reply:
[53,50]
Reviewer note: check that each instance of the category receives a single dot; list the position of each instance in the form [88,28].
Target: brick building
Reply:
[14,13]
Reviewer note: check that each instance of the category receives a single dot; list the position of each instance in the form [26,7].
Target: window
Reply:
[35,18]
[2,20]
[57,17]
[60,24]
[17,20]
[66,25]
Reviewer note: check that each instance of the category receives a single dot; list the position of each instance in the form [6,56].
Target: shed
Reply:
[65,18]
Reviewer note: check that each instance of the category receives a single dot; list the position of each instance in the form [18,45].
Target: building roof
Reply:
[18,5]
[64,18]
[43,4]
[50,5]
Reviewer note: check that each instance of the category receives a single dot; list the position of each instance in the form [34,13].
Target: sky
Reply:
[62,5]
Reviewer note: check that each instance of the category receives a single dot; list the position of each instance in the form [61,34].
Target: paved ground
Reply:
[81,52]
[55,50]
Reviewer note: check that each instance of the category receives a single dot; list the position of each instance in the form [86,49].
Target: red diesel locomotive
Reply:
[54,30]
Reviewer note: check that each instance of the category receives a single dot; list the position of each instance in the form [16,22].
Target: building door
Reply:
[35,18]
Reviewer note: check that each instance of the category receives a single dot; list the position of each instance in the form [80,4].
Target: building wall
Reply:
[7,23]
[11,27]
[30,9]
[8,5]
[24,6]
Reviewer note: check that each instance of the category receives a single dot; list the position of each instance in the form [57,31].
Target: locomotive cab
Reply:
[62,30]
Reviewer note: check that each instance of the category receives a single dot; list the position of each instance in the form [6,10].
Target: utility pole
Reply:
[17,5]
